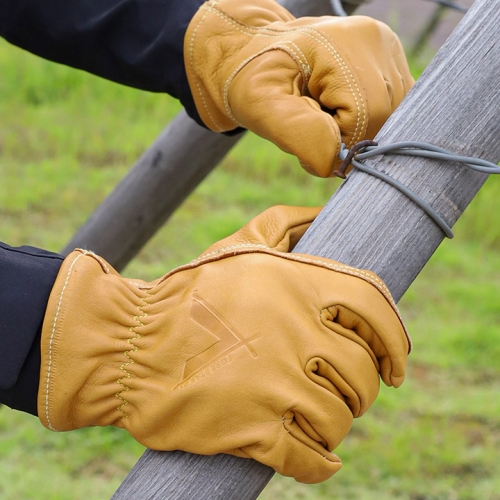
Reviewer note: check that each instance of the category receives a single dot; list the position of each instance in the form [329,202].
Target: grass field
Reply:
[66,138]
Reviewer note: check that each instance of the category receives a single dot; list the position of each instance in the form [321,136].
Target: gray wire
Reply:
[423,149]
[338,8]
[450,5]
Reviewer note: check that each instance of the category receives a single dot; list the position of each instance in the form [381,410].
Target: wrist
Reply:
[87,335]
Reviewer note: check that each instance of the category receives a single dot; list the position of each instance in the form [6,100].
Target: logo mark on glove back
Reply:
[218,354]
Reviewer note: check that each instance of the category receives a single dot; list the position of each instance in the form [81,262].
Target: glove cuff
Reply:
[88,334]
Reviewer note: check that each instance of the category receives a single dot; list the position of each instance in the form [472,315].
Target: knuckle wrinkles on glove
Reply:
[299,428]
[353,383]
[341,321]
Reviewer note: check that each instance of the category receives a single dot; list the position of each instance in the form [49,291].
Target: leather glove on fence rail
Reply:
[248,349]
[301,83]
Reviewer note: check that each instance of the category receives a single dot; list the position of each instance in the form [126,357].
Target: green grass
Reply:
[66,138]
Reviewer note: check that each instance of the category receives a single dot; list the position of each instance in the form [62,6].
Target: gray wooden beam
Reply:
[368,224]
[455,105]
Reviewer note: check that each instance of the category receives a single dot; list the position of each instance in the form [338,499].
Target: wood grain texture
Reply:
[369,224]
[178,475]
[456,105]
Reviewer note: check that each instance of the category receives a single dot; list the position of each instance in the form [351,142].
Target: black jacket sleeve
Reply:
[26,278]
[138,43]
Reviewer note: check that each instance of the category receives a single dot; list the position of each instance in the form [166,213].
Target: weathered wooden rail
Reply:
[367,223]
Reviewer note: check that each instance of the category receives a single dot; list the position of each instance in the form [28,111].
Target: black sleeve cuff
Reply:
[23,395]
[27,276]
[139,43]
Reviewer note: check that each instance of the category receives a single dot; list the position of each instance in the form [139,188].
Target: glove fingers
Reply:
[267,97]
[320,417]
[399,68]
[291,452]
[359,110]
[298,440]
[297,461]
[278,227]
[387,354]
[362,91]
[349,373]
[358,307]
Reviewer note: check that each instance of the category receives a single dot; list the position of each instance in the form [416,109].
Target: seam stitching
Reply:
[297,56]
[51,342]
[348,78]
[307,31]
[290,256]
[208,9]
[338,267]
[124,366]
[243,248]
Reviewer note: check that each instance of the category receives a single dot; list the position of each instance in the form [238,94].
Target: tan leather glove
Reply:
[306,84]
[247,350]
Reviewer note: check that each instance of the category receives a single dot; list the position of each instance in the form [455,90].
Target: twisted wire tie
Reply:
[367,149]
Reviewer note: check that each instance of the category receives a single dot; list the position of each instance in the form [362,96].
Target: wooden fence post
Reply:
[369,224]
[455,105]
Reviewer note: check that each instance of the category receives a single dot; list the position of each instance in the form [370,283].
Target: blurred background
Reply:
[67,138]
[423,25]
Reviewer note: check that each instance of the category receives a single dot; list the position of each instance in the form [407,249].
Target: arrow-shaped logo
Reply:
[228,338]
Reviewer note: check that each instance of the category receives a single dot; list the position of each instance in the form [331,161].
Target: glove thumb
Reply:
[279,228]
